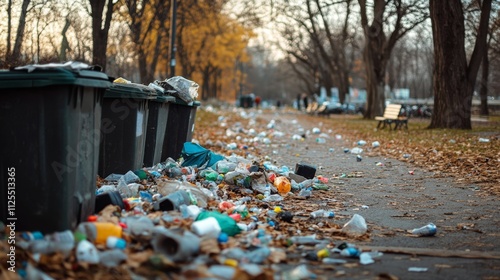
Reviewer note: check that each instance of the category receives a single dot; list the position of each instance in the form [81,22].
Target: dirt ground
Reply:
[393,197]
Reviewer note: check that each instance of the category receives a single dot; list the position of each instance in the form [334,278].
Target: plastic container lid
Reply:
[138,91]
[53,76]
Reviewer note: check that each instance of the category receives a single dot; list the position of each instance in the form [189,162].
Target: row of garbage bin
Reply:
[62,126]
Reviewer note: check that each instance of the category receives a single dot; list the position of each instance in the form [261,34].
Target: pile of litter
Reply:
[207,215]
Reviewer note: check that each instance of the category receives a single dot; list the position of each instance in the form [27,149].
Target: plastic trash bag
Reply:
[187,89]
[195,155]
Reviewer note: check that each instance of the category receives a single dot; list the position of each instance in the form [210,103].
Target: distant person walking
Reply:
[306,102]
[299,99]
[257,101]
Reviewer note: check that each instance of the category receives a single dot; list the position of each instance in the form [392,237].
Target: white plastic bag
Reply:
[188,90]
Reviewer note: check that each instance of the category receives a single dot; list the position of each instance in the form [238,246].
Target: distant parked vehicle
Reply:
[420,111]
[338,108]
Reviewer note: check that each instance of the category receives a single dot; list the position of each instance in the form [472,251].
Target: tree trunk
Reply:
[343,87]
[9,32]
[451,100]
[453,80]
[14,56]
[375,102]
[206,84]
[100,31]
[375,59]
[483,91]
[64,43]
[143,65]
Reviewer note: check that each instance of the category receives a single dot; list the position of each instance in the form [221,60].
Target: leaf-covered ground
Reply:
[463,154]
[447,153]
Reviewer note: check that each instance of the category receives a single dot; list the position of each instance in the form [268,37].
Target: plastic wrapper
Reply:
[184,89]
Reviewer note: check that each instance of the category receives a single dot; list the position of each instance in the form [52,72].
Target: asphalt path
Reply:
[393,197]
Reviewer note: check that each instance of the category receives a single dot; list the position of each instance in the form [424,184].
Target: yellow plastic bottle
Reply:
[98,232]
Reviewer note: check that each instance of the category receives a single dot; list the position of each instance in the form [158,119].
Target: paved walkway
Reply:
[394,197]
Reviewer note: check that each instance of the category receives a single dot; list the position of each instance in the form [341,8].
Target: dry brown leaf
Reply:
[209,246]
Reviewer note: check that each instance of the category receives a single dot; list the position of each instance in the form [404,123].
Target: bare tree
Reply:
[454,76]
[144,17]
[81,49]
[302,57]
[42,15]
[13,55]
[330,42]
[485,66]
[396,18]
[100,29]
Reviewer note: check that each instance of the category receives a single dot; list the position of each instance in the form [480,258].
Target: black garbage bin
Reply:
[246,101]
[156,129]
[51,121]
[124,122]
[180,127]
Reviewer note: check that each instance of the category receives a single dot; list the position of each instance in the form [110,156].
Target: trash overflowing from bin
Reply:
[216,207]
[207,214]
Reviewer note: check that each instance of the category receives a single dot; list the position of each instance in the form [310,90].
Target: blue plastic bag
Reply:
[196,155]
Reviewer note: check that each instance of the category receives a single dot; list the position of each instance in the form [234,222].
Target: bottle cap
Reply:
[34,235]
[116,243]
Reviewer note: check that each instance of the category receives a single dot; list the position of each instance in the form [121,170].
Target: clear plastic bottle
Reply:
[361,142]
[114,242]
[427,230]
[63,241]
[305,193]
[322,214]
[306,240]
[320,140]
[350,252]
[333,261]
[123,188]
[258,255]
[267,191]
[273,198]
[112,258]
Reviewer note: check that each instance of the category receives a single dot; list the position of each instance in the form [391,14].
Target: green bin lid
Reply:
[182,102]
[164,99]
[53,76]
[119,90]
[179,101]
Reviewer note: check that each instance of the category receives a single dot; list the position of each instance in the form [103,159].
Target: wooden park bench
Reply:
[311,109]
[392,115]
